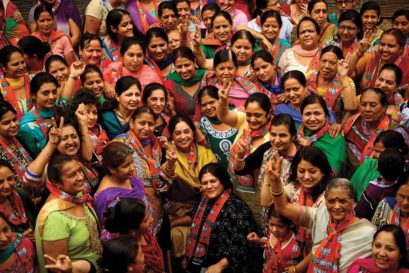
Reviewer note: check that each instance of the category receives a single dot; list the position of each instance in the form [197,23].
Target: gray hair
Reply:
[342,183]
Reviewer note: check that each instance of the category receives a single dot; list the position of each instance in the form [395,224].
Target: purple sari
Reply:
[108,197]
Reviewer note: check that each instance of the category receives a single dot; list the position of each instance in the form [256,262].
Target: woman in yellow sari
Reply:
[184,160]
[318,10]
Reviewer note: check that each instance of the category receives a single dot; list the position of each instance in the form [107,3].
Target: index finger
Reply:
[51,259]
[53,123]
[61,123]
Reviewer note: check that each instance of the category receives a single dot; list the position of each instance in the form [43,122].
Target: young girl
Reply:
[283,251]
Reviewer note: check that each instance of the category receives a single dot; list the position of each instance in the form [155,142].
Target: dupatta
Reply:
[326,256]
[199,236]
[9,95]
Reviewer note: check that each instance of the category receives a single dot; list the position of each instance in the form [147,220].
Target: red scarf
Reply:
[326,256]
[91,175]
[246,182]
[278,258]
[9,95]
[395,219]
[153,253]
[313,137]
[17,165]
[249,86]
[305,199]
[333,91]
[25,253]
[353,132]
[83,197]
[199,236]
[54,36]
[275,49]
[349,50]
[153,160]
[18,218]
[315,62]
[99,138]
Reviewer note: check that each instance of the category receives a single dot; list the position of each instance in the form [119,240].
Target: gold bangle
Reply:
[277,194]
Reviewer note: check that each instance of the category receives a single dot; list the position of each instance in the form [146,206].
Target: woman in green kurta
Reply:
[220,136]
[315,130]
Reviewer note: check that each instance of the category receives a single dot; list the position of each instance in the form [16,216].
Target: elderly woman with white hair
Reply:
[335,246]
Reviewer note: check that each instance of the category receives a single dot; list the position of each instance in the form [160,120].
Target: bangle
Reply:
[277,194]
[241,159]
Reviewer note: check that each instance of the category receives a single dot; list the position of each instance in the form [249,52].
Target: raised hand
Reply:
[171,156]
[81,114]
[224,93]
[252,236]
[243,144]
[197,39]
[343,67]
[273,167]
[54,136]
[62,263]
[365,42]
[77,68]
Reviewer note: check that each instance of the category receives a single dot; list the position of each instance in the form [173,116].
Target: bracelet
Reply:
[241,159]
[277,194]
[73,77]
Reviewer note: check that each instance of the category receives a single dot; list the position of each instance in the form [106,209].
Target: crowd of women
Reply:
[204,137]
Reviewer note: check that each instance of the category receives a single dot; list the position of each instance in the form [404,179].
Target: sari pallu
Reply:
[199,235]
[368,266]
[24,252]
[16,216]
[354,132]
[334,89]
[141,18]
[326,256]
[18,166]
[374,65]
[9,95]
[248,86]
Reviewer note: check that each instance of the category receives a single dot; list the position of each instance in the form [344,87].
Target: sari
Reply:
[99,138]
[185,103]
[24,252]
[145,74]
[239,94]
[112,124]
[12,32]
[59,42]
[63,11]
[370,64]
[33,129]
[359,140]
[148,170]
[327,32]
[368,266]
[365,173]
[8,86]
[343,243]
[108,197]
[111,51]
[18,157]
[56,205]
[140,16]
[333,148]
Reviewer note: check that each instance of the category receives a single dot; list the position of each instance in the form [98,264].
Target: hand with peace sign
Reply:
[224,93]
[54,136]
[62,263]
[273,169]
[365,43]
[243,145]
[171,158]
[197,39]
